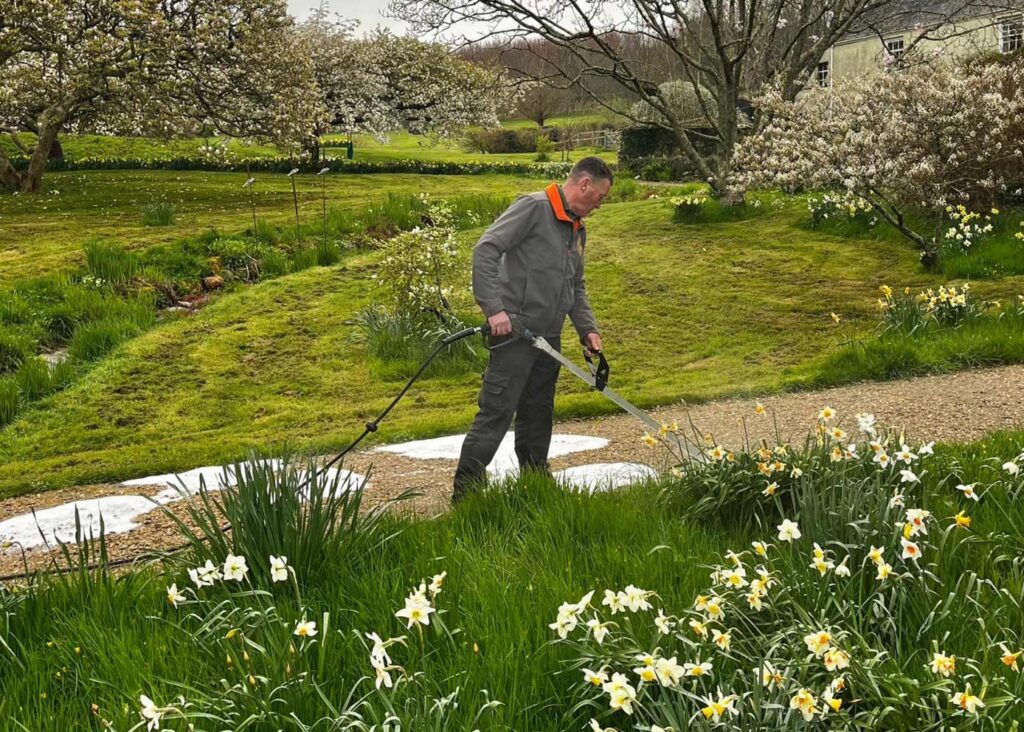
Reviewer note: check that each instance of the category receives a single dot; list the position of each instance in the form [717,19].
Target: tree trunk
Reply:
[48,131]
[9,177]
[56,150]
[313,148]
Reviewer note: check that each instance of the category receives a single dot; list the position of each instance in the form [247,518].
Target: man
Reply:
[528,266]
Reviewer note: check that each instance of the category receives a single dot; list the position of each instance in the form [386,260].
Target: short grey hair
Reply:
[592,167]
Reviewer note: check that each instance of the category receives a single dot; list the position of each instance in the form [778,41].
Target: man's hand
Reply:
[592,343]
[500,324]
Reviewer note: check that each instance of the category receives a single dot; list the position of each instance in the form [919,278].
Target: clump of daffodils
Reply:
[968,227]
[848,538]
[835,206]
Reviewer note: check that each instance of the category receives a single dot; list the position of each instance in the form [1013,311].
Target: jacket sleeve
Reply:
[581,315]
[503,235]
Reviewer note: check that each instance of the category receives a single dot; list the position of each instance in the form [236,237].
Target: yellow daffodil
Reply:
[759,408]
[715,709]
[770,489]
[884,570]
[1009,659]
[649,439]
[835,317]
[760,548]
[962,520]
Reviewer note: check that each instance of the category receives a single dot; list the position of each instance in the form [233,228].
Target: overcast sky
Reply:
[367,12]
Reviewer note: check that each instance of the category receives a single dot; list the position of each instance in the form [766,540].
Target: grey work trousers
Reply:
[519,381]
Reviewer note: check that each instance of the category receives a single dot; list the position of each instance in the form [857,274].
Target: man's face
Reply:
[590,196]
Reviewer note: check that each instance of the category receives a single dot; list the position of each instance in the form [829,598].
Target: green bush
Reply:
[10,401]
[33,379]
[110,263]
[502,140]
[15,348]
[158,214]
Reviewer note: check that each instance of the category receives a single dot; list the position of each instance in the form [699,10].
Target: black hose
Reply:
[370,427]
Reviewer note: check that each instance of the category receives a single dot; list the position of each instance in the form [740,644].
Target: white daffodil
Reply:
[713,608]
[804,701]
[788,530]
[173,596]
[866,423]
[927,448]
[646,672]
[697,669]
[613,601]
[760,548]
[379,649]
[235,568]
[599,629]
[905,455]
[896,501]
[943,665]
[968,491]
[883,459]
[827,413]
[699,629]
[150,712]
[636,599]
[278,568]
[819,642]
[663,622]
[720,639]
[967,701]
[884,570]
[771,675]
[305,629]
[843,570]
[565,623]
[908,476]
[437,581]
[916,519]
[715,709]
[204,576]
[417,610]
[734,578]
[1011,467]
[621,694]
[597,678]
[836,660]
[910,549]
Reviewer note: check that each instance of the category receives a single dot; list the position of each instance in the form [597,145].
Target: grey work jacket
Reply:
[529,263]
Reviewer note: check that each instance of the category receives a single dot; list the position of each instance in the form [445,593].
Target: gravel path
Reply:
[949,408]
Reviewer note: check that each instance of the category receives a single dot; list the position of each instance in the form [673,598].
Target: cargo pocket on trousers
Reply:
[492,395]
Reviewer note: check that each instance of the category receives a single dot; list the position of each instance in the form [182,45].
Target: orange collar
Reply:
[555,199]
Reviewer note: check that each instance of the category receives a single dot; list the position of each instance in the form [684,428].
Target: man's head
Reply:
[588,183]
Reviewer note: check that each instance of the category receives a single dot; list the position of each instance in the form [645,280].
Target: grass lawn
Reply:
[44,233]
[687,311]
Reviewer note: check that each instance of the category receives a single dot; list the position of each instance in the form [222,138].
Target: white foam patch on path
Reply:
[604,476]
[120,513]
[504,462]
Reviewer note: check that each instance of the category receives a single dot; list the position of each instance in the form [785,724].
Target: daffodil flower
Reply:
[235,568]
[597,678]
[836,659]
[697,669]
[788,531]
[278,568]
[818,642]
[715,709]
[804,701]
[1008,658]
[967,701]
[173,596]
[305,629]
[962,520]
[968,491]
[943,665]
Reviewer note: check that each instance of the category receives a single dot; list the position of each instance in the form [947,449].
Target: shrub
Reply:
[158,214]
[688,208]
[15,348]
[10,401]
[417,268]
[109,264]
[502,140]
[544,147]
[848,208]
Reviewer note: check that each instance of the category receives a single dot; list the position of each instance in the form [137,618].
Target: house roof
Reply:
[908,15]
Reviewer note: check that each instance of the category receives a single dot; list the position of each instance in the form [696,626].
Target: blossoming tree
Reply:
[382,83]
[929,137]
[146,67]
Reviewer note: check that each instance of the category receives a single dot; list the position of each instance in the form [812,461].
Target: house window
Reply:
[823,74]
[894,50]
[1011,34]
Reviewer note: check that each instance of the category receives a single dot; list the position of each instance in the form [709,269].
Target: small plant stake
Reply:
[295,199]
[323,196]
[249,180]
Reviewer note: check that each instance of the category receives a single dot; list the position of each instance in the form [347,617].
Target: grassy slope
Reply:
[41,234]
[687,312]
